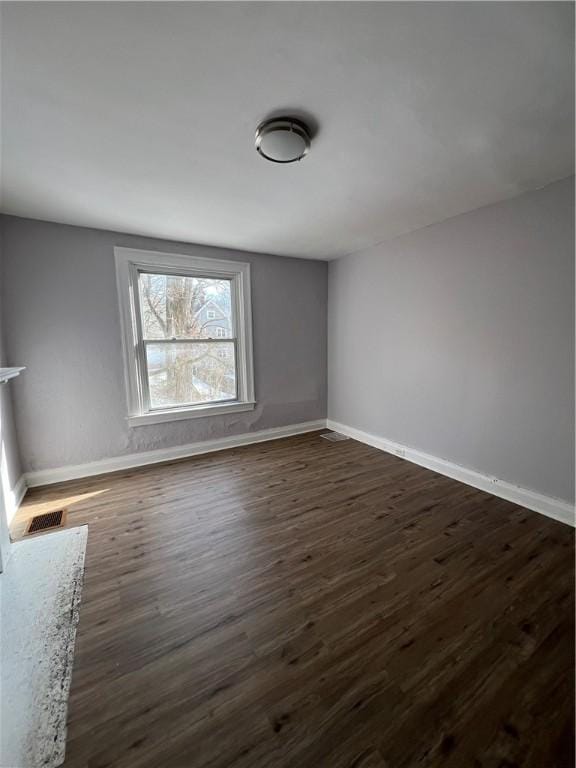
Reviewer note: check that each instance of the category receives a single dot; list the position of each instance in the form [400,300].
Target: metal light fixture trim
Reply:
[286,125]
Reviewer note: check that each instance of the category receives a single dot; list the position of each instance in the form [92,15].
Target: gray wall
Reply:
[458,340]
[62,322]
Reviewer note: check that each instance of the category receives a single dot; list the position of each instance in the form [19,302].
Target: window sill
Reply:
[196,412]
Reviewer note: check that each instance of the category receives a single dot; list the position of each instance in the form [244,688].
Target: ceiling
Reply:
[140,117]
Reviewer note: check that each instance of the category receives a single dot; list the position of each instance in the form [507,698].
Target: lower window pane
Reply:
[188,374]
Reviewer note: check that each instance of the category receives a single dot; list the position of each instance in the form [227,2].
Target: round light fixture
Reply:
[283,139]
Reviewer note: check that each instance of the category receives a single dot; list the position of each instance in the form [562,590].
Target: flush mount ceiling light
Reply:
[283,139]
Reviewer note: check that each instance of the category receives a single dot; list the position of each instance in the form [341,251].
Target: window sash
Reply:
[179,406]
[190,340]
[180,273]
[142,361]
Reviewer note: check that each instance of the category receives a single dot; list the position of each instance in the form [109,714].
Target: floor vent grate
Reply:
[335,437]
[46,521]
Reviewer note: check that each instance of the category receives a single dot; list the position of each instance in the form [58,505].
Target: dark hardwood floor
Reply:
[301,604]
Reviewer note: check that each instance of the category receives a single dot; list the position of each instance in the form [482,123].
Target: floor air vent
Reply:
[46,521]
[335,437]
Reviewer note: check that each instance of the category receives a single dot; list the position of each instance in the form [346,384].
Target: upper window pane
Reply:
[182,307]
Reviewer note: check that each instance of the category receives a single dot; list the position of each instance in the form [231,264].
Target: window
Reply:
[178,364]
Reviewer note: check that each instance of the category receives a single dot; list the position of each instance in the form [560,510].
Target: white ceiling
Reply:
[140,117]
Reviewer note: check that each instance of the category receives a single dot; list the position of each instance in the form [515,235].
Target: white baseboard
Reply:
[14,497]
[74,472]
[546,505]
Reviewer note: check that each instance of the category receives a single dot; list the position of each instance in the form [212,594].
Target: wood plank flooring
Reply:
[301,604]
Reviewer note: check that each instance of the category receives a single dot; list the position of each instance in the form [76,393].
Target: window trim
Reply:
[131,261]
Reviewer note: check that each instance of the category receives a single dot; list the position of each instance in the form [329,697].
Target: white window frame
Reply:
[210,314]
[129,263]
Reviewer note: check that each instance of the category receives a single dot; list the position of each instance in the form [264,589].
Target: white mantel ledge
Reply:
[9,373]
